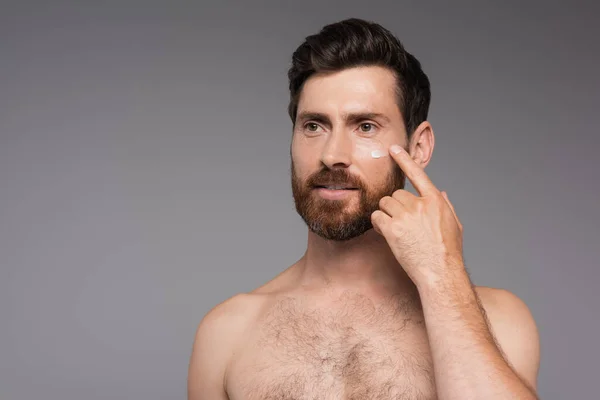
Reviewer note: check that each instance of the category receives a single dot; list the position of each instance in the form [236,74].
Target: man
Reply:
[380,306]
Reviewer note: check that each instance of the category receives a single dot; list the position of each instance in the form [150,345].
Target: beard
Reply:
[333,219]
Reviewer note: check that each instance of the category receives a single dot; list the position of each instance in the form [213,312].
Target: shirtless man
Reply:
[380,306]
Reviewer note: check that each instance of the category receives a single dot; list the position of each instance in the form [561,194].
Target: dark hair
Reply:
[355,42]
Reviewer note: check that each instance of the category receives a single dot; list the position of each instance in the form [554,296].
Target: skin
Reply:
[475,342]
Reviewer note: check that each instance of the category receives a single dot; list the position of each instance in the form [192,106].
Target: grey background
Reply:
[144,174]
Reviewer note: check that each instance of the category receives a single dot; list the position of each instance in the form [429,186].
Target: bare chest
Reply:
[355,351]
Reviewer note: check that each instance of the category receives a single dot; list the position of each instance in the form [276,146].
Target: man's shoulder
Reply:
[502,303]
[507,313]
[218,334]
[232,315]
[514,329]
[498,296]
[240,310]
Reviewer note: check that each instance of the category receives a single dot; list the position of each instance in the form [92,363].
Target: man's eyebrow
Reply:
[349,117]
[315,116]
[355,117]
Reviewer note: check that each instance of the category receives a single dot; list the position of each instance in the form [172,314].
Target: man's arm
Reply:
[426,236]
[208,360]
[216,336]
[473,360]
[514,330]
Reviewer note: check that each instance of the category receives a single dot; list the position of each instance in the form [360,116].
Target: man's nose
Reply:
[338,150]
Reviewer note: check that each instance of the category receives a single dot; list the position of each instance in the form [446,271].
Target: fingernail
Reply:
[396,149]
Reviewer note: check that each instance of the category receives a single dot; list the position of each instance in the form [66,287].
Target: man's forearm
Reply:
[467,362]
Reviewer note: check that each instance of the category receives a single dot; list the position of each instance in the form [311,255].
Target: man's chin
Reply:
[341,230]
[339,236]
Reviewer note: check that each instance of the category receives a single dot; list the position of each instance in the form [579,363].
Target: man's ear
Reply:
[421,144]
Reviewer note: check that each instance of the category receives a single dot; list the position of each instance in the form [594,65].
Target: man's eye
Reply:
[366,127]
[312,127]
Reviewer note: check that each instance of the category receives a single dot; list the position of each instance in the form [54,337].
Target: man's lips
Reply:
[335,187]
[333,192]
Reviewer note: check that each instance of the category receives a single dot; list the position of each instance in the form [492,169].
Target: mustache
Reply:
[330,177]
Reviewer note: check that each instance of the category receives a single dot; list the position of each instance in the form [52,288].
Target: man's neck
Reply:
[365,263]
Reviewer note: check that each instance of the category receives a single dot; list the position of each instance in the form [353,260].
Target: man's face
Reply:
[342,118]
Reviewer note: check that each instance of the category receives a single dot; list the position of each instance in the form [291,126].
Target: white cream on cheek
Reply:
[377,154]
[369,148]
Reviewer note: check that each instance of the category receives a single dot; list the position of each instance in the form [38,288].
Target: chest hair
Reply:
[352,348]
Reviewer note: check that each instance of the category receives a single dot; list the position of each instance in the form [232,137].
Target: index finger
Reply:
[415,174]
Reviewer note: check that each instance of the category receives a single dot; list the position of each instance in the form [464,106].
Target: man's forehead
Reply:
[354,90]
